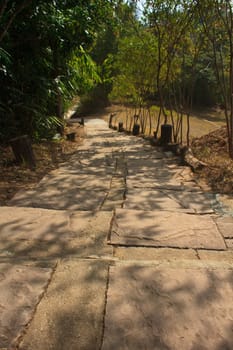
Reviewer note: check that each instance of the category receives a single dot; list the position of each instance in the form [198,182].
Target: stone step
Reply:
[162,307]
[40,233]
[165,229]
[70,316]
[173,257]
[21,288]
[59,199]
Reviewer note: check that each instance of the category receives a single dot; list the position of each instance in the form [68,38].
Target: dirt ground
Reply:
[48,155]
[209,144]
[212,149]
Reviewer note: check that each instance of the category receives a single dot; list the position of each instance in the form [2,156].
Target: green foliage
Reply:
[167,60]
[119,23]
[44,60]
[178,54]
[84,72]
[46,127]
[5,59]
[135,79]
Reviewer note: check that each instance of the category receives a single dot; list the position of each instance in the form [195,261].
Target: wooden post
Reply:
[71,136]
[166,134]
[110,120]
[136,129]
[23,152]
[120,127]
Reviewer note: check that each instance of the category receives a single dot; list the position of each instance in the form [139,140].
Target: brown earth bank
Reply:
[48,155]
[212,149]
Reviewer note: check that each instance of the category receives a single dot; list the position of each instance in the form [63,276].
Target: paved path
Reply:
[117,249]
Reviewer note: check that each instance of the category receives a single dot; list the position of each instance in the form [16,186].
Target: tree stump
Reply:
[23,152]
[166,134]
[136,129]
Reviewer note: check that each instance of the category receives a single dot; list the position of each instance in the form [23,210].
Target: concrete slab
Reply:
[109,149]
[132,155]
[70,316]
[32,232]
[119,142]
[86,159]
[68,182]
[94,122]
[144,154]
[165,229]
[74,170]
[33,223]
[229,243]
[121,171]
[112,205]
[150,200]
[75,199]
[116,195]
[21,288]
[167,308]
[104,162]
[151,166]
[151,181]
[136,147]
[81,161]
[118,183]
[140,160]
[160,254]
[97,139]
[215,255]
[225,226]
[200,202]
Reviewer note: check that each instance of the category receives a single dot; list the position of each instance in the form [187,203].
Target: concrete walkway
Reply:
[117,249]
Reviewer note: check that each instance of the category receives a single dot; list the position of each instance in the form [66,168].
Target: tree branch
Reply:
[11,19]
[3,7]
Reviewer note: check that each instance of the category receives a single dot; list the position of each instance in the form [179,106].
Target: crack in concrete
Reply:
[105,308]
[197,254]
[40,297]
[165,246]
[219,231]
[120,165]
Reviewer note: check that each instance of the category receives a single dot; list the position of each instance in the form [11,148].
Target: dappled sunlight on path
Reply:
[119,248]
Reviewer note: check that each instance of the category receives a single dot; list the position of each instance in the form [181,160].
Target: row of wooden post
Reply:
[166,130]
